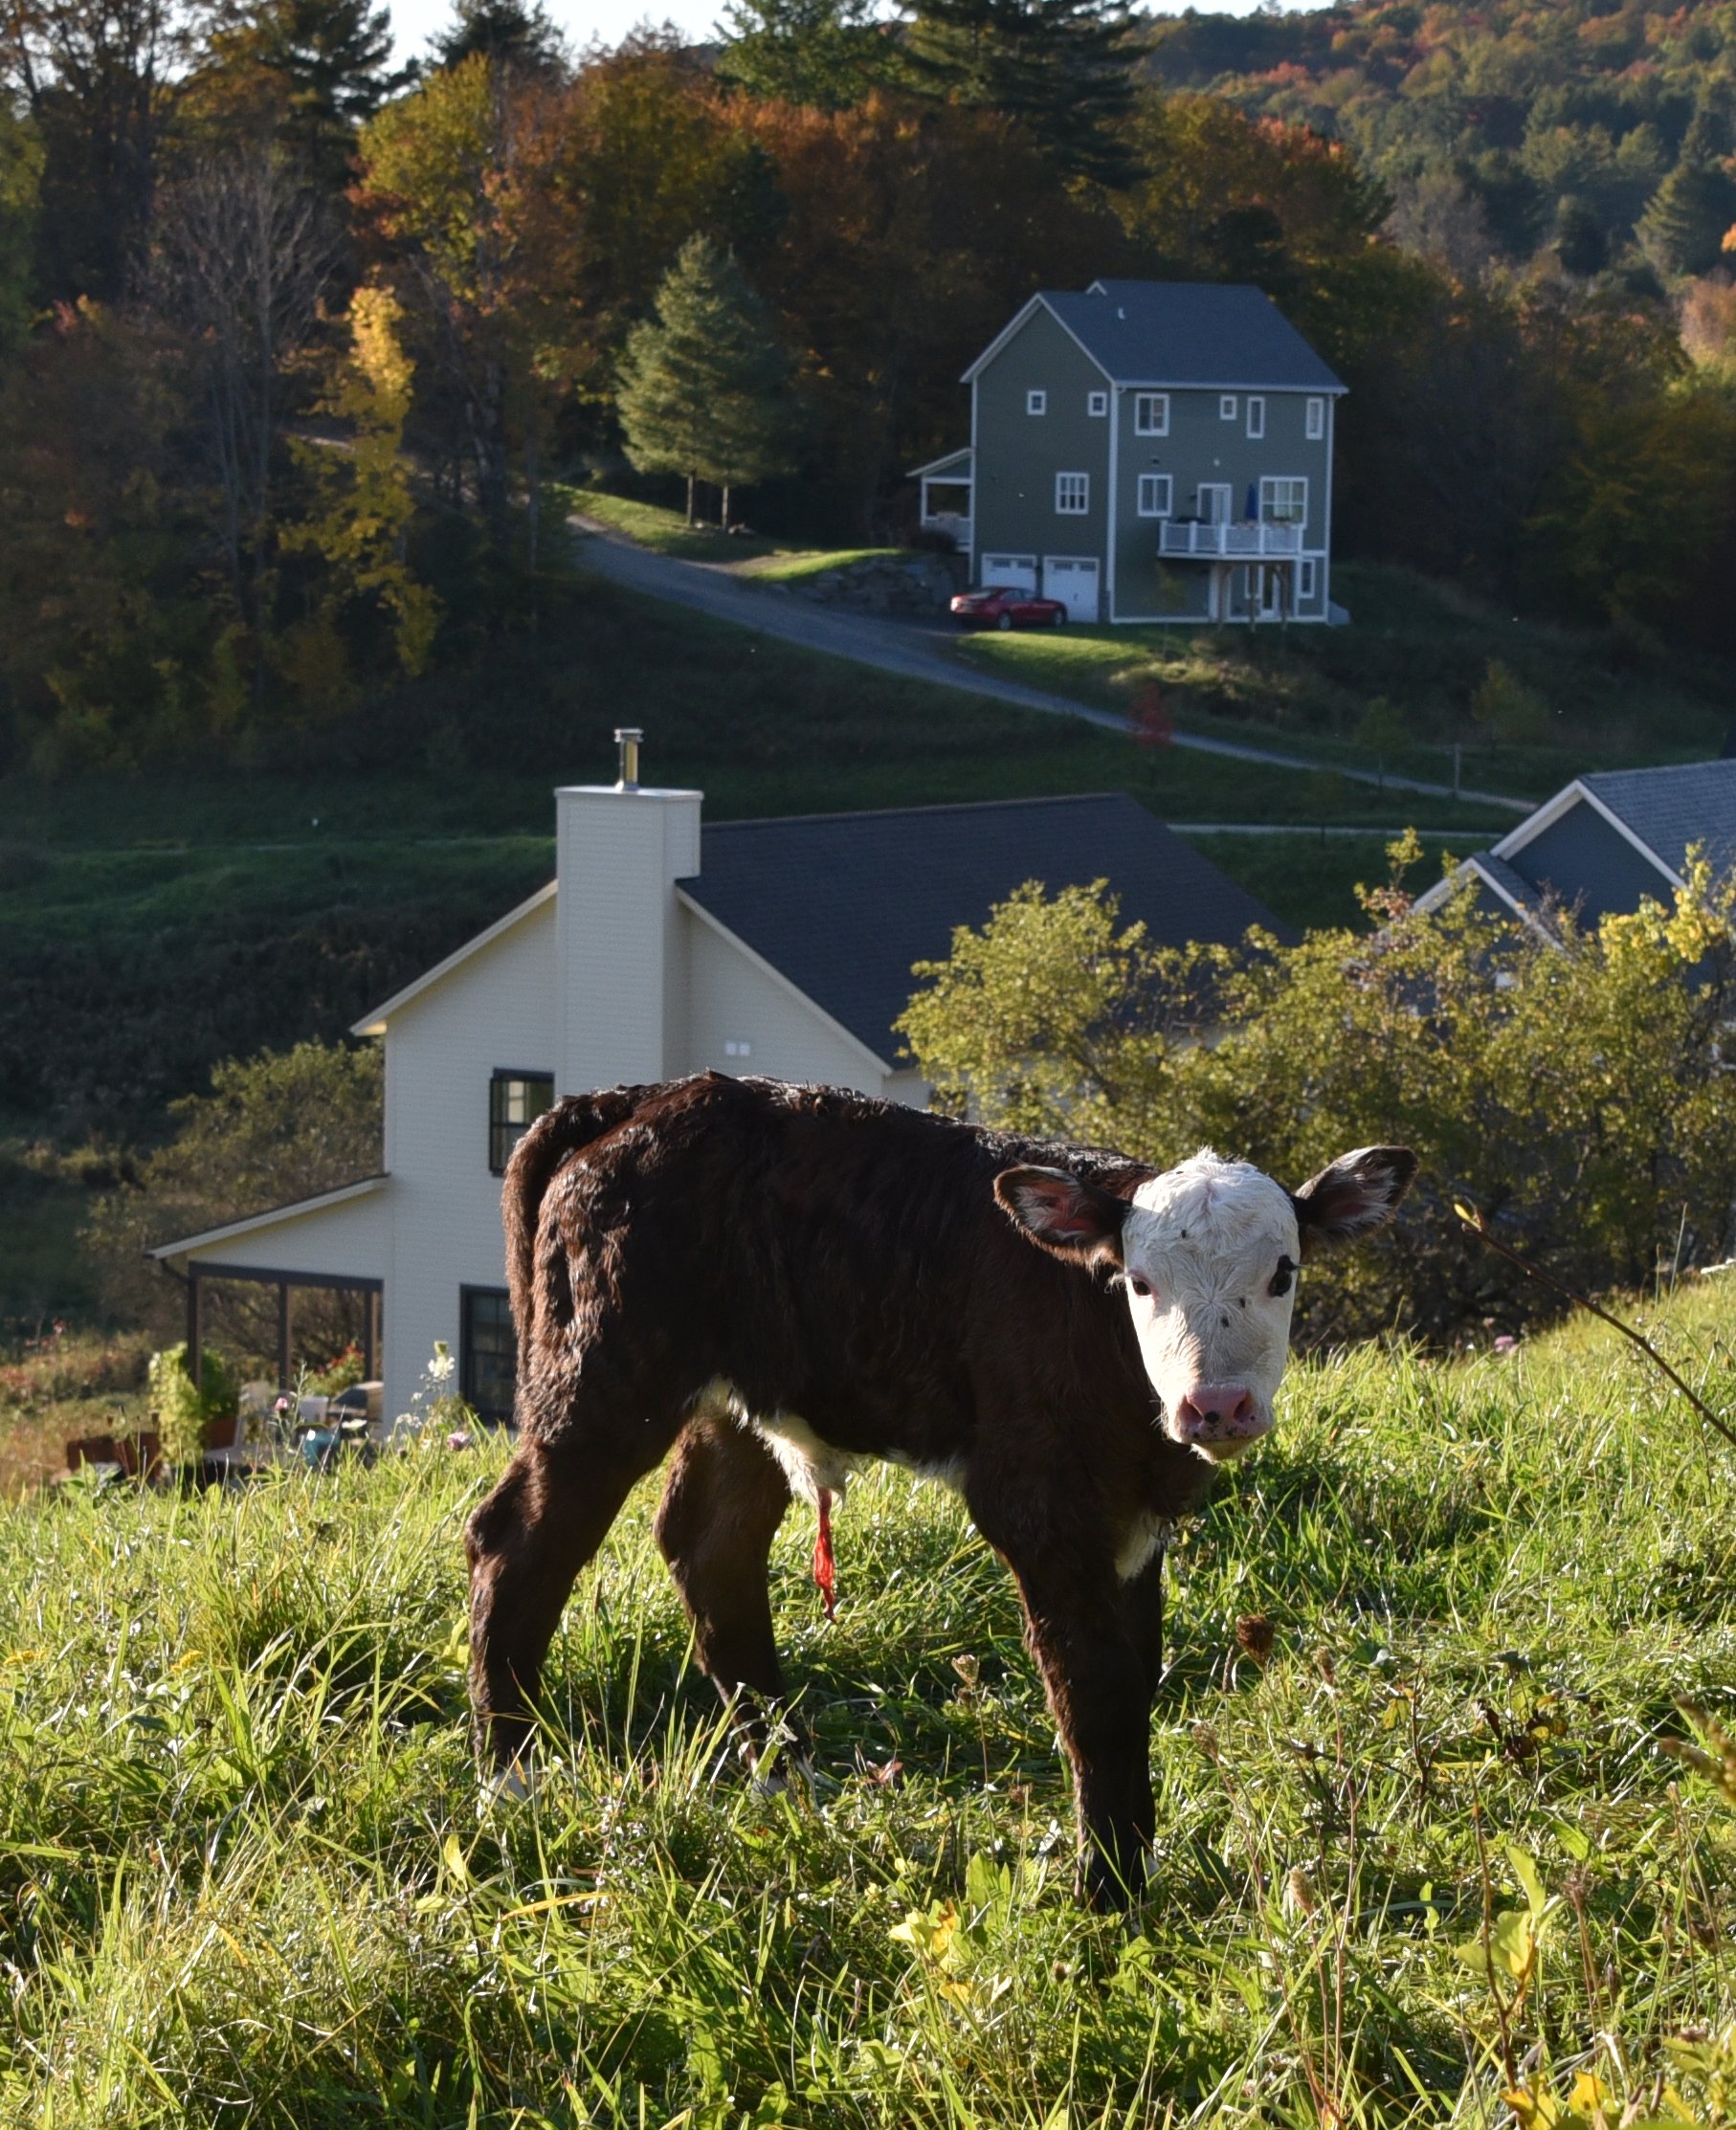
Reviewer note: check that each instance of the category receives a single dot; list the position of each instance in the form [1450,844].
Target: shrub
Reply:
[183,1410]
[1572,1084]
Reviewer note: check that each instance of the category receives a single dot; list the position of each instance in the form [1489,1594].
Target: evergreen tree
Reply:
[506,33]
[1061,68]
[703,387]
[823,54]
[1682,229]
[308,72]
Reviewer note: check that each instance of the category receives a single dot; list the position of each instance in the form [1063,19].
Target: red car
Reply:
[1006,606]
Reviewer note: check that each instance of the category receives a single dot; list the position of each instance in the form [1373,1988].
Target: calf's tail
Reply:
[573,1123]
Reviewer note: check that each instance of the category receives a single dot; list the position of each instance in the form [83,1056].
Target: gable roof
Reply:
[373,1021]
[1223,335]
[1691,802]
[842,904]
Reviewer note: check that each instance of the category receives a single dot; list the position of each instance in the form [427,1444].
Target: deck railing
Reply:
[948,521]
[1228,542]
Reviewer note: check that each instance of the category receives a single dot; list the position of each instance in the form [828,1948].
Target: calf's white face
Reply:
[1208,1255]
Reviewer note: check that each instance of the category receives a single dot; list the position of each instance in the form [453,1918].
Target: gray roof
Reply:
[1500,873]
[1191,333]
[1691,802]
[843,903]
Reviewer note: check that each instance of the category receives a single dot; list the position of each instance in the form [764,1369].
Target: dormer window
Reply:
[1097,403]
[515,1101]
[1152,413]
[1037,403]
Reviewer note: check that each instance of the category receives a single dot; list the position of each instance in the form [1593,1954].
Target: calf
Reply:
[778,1282]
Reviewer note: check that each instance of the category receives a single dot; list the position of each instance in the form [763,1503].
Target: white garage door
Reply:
[1019,571]
[1072,580]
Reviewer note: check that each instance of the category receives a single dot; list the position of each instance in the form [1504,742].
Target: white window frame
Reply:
[1152,413]
[1308,579]
[1037,402]
[1226,407]
[1071,501]
[1257,417]
[1315,421]
[1161,490]
[1269,483]
[1097,404]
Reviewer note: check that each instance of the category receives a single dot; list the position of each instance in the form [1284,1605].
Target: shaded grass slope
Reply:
[245,1877]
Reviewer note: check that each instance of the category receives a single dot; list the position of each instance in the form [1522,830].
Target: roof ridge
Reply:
[939,806]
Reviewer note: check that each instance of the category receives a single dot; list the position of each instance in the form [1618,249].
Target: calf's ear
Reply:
[1065,1213]
[1356,1194]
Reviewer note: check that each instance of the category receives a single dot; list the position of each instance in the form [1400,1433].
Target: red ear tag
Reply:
[825,1566]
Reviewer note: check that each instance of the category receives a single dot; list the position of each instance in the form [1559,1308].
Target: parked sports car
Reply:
[1006,606]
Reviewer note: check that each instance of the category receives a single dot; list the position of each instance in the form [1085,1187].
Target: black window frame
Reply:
[504,1134]
[471,1353]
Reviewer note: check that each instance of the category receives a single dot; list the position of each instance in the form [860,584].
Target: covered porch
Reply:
[948,487]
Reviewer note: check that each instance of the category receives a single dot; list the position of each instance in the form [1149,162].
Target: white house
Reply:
[782,947]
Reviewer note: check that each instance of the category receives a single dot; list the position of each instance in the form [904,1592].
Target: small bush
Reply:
[186,1410]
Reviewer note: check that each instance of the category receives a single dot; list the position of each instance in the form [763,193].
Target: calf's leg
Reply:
[723,1504]
[1143,1608]
[526,1543]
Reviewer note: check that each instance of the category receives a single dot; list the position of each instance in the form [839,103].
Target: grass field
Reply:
[1430,1853]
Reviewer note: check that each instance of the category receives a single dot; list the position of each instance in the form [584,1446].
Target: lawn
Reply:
[1430,1849]
[1397,684]
[665,531]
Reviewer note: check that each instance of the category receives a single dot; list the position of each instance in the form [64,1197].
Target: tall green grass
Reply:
[246,1877]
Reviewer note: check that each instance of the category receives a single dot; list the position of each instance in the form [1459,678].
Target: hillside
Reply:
[243,1871]
[1599,133]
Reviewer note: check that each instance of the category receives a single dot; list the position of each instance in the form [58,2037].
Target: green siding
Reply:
[1018,454]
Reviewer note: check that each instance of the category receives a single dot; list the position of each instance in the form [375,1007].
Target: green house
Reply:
[1148,451]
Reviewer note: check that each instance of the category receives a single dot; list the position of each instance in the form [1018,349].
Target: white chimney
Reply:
[622,976]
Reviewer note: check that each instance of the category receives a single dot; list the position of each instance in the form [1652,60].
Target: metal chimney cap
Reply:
[629,738]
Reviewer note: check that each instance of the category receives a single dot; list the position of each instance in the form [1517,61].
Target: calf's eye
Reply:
[1138,1286]
[1282,1278]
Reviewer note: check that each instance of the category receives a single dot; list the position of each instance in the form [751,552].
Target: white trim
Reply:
[1110,526]
[1081,509]
[1160,410]
[1169,509]
[1308,567]
[374,1023]
[1092,562]
[1314,418]
[1326,517]
[1007,332]
[1257,417]
[1037,401]
[1271,481]
[1565,800]
[784,982]
[256,1223]
[1097,406]
[933,468]
[1432,899]
[1229,406]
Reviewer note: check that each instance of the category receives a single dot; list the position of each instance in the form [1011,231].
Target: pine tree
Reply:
[825,54]
[506,33]
[1061,68]
[703,387]
[1682,229]
[309,72]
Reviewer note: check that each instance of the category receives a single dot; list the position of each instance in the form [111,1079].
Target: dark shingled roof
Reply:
[1692,801]
[843,903]
[1191,333]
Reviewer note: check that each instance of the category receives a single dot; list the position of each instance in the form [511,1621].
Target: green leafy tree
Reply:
[703,387]
[274,1128]
[1061,68]
[20,179]
[1581,1102]
[826,54]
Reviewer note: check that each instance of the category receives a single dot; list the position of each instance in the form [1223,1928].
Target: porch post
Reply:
[195,1325]
[370,1334]
[283,1335]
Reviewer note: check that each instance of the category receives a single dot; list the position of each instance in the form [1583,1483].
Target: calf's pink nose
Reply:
[1212,1406]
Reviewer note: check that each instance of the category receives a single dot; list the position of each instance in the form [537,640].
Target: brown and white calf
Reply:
[777,1282]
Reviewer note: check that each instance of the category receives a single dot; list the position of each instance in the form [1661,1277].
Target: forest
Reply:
[295,338]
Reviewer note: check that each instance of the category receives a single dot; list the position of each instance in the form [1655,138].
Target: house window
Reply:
[1226,407]
[1155,491]
[1037,403]
[1097,403]
[1306,579]
[1283,501]
[1317,420]
[515,1103]
[488,1352]
[1257,417]
[1152,413]
[1073,494]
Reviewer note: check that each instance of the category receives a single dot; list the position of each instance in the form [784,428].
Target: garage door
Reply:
[1072,581]
[1017,570]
